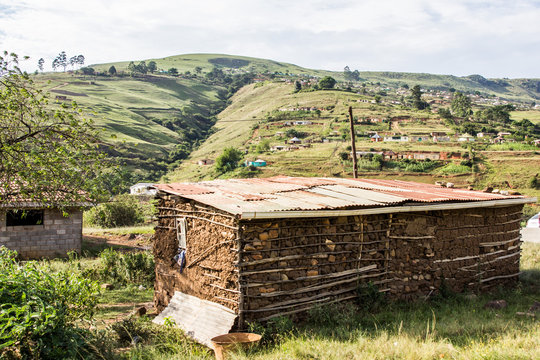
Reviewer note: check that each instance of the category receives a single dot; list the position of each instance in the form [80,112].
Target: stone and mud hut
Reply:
[255,249]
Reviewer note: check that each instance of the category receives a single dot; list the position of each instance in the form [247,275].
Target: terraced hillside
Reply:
[264,117]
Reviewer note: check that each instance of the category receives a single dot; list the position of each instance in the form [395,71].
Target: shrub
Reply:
[228,160]
[124,210]
[137,267]
[38,310]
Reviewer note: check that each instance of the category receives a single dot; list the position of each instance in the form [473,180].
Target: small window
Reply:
[24,217]
[181,232]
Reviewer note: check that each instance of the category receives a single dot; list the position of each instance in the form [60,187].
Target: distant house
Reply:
[437,133]
[295,140]
[257,163]
[390,155]
[303,123]
[363,154]
[503,133]
[376,138]
[205,162]
[466,138]
[427,156]
[396,138]
[441,138]
[142,189]
[485,134]
[37,230]
[278,148]
[537,142]
[418,138]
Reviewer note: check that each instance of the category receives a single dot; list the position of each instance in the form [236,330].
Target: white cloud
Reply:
[493,38]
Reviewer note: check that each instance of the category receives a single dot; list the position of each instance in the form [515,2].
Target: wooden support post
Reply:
[353,144]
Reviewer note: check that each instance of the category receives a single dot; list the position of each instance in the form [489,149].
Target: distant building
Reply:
[396,138]
[485,134]
[376,138]
[257,163]
[142,189]
[295,140]
[502,133]
[303,123]
[278,148]
[466,138]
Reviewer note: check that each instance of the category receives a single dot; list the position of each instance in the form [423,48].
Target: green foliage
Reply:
[228,160]
[344,155]
[274,331]
[47,149]
[112,70]
[297,86]
[124,210]
[416,94]
[263,146]
[369,298]
[327,82]
[452,168]
[496,114]
[38,310]
[173,71]
[534,182]
[461,105]
[152,66]
[128,268]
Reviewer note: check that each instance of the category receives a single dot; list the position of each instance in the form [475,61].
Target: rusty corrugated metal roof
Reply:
[283,193]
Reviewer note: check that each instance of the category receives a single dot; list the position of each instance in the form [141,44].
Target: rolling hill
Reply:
[153,121]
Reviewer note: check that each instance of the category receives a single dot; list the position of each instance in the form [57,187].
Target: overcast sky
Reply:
[492,38]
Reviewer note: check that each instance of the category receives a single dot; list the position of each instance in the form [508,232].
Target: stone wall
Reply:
[56,237]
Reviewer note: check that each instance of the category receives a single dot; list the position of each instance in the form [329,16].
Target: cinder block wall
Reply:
[56,237]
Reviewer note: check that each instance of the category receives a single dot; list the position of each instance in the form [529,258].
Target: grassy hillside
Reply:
[526,90]
[143,117]
[254,124]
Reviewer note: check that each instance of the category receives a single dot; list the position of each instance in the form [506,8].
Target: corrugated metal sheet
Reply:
[283,193]
[200,319]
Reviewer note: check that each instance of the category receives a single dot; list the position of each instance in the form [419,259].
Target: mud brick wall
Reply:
[464,250]
[291,265]
[56,237]
[210,270]
[267,268]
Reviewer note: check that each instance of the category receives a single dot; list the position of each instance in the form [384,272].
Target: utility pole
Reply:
[353,144]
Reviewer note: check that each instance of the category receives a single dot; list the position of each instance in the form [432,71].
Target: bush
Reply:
[124,210]
[137,267]
[228,160]
[38,310]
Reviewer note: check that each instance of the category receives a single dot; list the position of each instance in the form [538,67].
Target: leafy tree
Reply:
[297,86]
[60,61]
[173,71]
[445,114]
[112,70]
[418,103]
[228,160]
[48,154]
[80,60]
[40,64]
[497,113]
[88,71]
[198,69]
[152,66]
[327,82]
[73,61]
[461,105]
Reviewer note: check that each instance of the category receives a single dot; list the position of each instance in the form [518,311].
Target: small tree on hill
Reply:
[40,64]
[112,70]
[327,82]
[173,71]
[461,105]
[416,94]
[228,160]
[152,67]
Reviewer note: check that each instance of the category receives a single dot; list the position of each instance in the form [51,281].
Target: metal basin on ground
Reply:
[228,342]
